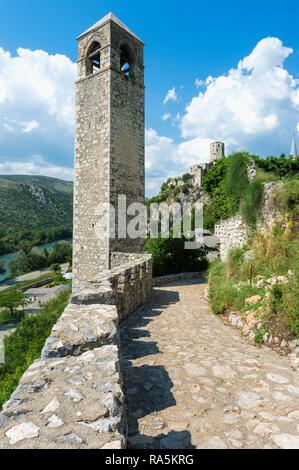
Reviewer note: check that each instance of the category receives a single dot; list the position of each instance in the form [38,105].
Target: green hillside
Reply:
[35,208]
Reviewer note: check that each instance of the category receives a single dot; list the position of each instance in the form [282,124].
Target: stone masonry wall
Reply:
[72,397]
[127,132]
[233,233]
[92,168]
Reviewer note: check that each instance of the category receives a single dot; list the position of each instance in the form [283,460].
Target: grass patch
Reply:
[272,256]
[259,334]
[287,198]
[265,177]
[224,291]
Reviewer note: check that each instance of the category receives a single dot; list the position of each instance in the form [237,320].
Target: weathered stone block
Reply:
[102,294]
[74,402]
[80,328]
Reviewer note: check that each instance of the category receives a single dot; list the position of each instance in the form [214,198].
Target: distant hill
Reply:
[36,204]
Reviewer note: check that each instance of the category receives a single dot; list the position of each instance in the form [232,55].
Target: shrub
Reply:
[24,346]
[223,204]
[278,166]
[236,179]
[12,300]
[215,176]
[287,197]
[171,257]
[224,293]
[259,334]
[61,253]
[275,300]
[226,183]
[266,177]
[272,255]
[251,205]
[289,306]
[221,291]
[2,268]
[29,259]
[235,263]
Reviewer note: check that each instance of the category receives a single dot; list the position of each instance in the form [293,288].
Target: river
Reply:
[6,259]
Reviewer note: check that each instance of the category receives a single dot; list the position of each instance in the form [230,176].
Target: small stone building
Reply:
[198,172]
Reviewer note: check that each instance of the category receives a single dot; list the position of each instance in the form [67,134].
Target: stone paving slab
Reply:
[82,327]
[68,403]
[193,382]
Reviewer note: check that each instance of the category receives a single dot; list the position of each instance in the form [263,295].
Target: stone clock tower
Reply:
[109,142]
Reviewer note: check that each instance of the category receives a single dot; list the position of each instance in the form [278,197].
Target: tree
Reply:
[61,253]
[215,176]
[20,265]
[236,179]
[27,262]
[2,268]
[56,268]
[36,260]
[26,246]
[12,299]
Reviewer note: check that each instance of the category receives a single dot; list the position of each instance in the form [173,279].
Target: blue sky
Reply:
[256,107]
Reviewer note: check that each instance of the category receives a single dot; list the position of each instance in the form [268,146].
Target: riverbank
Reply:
[27,279]
[8,258]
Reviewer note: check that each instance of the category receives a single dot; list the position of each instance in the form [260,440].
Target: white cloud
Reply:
[193,151]
[198,83]
[166,117]
[268,54]
[36,108]
[254,107]
[165,159]
[177,118]
[171,96]
[36,166]
[160,160]
[30,126]
[25,127]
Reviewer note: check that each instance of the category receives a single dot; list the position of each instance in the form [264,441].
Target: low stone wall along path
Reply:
[192,382]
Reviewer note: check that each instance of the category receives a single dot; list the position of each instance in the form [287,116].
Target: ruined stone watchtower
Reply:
[109,142]
[217,151]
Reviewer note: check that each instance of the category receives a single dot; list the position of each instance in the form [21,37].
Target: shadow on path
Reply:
[148,386]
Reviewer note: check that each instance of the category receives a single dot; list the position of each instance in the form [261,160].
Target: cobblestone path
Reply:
[192,382]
